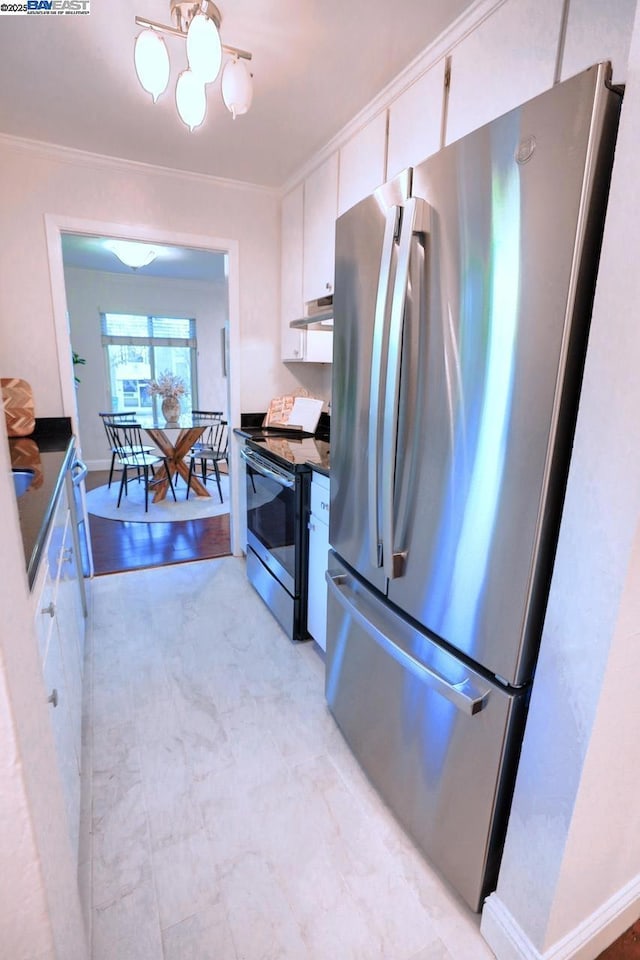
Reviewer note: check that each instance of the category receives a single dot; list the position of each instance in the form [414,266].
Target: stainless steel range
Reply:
[278,478]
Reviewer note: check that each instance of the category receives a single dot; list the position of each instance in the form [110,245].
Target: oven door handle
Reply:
[260,467]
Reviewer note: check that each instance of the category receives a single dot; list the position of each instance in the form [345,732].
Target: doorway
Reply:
[193,253]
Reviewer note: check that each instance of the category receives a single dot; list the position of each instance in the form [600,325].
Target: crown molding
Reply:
[476,13]
[60,154]
[465,24]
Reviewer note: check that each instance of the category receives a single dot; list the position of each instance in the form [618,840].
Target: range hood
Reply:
[319,312]
[324,320]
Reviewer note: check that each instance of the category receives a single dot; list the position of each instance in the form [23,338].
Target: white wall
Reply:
[36,182]
[40,915]
[92,292]
[570,876]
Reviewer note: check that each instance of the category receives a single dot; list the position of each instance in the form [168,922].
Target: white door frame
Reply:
[55,226]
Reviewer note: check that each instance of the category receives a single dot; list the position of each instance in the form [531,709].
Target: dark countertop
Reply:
[292,447]
[47,451]
[321,468]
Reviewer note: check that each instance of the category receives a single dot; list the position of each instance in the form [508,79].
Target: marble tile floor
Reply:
[224,817]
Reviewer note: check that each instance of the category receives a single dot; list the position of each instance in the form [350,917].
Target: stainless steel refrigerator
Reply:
[463,292]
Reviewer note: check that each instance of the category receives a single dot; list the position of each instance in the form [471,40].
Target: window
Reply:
[138,349]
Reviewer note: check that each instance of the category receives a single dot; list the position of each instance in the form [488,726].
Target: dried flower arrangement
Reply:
[168,385]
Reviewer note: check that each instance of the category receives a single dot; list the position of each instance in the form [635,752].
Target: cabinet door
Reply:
[320,210]
[508,59]
[70,625]
[317,602]
[318,552]
[61,711]
[598,31]
[415,122]
[362,163]
[292,304]
[60,628]
[319,346]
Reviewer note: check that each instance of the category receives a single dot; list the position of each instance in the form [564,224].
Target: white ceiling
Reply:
[172,263]
[70,80]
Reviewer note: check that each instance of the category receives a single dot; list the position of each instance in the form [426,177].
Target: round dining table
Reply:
[174,438]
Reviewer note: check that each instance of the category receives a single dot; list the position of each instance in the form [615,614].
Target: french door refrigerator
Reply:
[463,292]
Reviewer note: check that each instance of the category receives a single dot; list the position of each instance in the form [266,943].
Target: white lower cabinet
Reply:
[318,550]
[59,623]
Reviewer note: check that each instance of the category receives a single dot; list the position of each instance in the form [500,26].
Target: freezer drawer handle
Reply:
[463,695]
[380,338]
[415,221]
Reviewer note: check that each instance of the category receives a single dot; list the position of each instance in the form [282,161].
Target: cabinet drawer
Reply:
[320,497]
[45,612]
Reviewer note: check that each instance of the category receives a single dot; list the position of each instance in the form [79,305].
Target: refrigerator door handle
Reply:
[415,220]
[380,334]
[464,695]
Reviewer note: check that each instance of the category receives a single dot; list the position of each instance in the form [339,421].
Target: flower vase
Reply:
[171,409]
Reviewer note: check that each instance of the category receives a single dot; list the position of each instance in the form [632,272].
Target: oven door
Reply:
[271,516]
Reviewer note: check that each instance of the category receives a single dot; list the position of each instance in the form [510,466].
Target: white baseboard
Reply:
[503,934]
[585,942]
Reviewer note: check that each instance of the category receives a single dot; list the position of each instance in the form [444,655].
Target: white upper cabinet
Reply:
[308,344]
[362,163]
[506,60]
[292,301]
[598,31]
[319,244]
[415,121]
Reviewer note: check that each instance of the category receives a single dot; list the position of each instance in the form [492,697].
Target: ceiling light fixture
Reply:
[132,254]
[199,24]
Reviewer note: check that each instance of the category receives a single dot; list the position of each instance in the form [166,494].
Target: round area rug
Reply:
[102,502]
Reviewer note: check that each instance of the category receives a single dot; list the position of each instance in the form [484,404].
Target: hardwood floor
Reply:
[626,947]
[119,546]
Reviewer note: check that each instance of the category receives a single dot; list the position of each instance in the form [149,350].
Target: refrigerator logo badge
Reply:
[526,149]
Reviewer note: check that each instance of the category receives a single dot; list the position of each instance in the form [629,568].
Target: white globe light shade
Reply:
[204,49]
[191,99]
[237,87]
[132,254]
[152,62]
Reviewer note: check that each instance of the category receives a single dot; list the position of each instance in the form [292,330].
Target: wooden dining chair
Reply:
[210,451]
[131,454]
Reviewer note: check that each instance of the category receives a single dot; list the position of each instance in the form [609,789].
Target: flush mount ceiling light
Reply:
[199,24]
[132,254]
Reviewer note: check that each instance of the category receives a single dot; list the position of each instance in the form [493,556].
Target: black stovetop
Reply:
[295,451]
[292,447]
